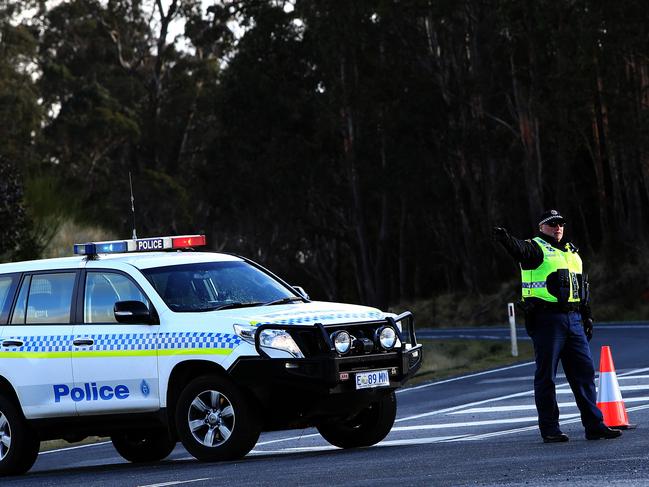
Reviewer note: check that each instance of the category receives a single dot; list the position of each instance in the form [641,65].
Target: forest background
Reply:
[362,149]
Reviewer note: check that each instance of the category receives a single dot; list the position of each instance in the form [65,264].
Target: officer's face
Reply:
[553,229]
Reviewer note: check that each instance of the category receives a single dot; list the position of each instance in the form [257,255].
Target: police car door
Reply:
[36,343]
[115,365]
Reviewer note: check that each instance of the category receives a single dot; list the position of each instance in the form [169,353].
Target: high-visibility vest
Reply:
[534,282]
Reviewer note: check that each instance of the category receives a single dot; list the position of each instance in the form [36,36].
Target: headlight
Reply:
[342,341]
[277,339]
[387,337]
[247,333]
[280,340]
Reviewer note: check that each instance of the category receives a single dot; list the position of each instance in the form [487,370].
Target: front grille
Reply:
[313,343]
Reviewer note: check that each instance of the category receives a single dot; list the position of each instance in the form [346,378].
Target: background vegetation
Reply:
[362,149]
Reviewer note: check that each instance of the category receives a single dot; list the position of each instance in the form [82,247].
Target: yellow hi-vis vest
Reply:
[534,282]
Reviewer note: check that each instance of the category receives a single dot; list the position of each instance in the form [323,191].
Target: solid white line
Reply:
[531,428]
[525,419]
[500,398]
[523,407]
[287,439]
[74,447]
[633,372]
[622,388]
[460,406]
[565,419]
[409,389]
[165,484]
[410,441]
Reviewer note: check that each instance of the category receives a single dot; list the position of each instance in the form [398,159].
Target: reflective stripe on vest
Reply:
[534,281]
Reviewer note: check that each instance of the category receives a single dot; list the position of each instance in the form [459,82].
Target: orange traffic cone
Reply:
[609,397]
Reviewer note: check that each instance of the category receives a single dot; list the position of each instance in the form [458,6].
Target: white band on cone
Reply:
[609,390]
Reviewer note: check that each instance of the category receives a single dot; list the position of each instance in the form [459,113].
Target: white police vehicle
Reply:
[148,344]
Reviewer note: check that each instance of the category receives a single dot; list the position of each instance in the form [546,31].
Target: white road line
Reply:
[453,379]
[524,407]
[461,406]
[530,428]
[633,372]
[524,419]
[74,447]
[287,439]
[409,441]
[622,388]
[178,482]
[500,398]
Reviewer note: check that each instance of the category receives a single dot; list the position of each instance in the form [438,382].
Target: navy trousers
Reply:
[560,336]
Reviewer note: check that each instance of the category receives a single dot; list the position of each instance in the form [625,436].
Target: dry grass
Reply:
[56,444]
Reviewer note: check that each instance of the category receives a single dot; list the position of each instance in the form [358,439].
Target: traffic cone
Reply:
[609,397]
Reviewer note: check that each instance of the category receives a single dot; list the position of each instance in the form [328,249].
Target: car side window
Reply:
[44,299]
[103,290]
[8,285]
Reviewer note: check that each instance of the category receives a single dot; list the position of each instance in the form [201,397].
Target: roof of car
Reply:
[141,260]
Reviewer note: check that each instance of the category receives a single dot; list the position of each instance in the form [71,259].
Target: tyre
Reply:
[18,442]
[215,421]
[366,428]
[143,446]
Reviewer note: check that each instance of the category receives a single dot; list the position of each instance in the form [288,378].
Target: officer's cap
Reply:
[551,216]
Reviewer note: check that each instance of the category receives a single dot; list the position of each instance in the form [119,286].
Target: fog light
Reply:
[342,341]
[387,337]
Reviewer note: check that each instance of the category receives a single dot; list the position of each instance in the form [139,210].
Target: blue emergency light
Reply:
[140,245]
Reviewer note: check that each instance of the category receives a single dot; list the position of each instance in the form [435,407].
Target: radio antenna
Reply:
[130,182]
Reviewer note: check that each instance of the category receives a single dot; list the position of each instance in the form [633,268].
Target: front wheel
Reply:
[143,446]
[18,443]
[366,428]
[215,420]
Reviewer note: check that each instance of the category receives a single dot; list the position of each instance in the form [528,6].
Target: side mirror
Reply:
[300,290]
[132,312]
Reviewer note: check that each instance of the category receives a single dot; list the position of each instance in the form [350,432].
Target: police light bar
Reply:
[140,245]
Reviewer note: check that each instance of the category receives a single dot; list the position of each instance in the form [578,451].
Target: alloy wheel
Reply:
[211,418]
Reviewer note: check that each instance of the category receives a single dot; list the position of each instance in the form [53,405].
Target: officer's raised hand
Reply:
[588,328]
[499,233]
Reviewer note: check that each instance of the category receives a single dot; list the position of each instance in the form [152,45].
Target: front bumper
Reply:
[324,383]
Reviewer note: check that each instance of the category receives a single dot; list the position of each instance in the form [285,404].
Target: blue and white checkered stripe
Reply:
[197,340]
[42,343]
[534,285]
[123,342]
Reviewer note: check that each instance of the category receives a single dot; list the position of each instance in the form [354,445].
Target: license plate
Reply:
[372,378]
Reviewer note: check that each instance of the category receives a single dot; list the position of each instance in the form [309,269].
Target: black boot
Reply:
[604,432]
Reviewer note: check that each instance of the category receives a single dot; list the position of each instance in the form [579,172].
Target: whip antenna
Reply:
[130,182]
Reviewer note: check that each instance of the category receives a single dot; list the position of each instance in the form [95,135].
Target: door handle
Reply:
[80,342]
[12,343]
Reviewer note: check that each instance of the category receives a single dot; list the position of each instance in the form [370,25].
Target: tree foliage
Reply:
[362,148]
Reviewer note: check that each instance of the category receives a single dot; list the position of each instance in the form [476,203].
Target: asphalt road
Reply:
[478,429]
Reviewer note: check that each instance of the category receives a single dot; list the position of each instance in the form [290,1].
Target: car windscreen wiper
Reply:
[286,300]
[236,305]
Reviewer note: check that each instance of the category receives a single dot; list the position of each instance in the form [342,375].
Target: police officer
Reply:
[557,318]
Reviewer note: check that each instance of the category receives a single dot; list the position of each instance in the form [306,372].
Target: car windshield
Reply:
[209,286]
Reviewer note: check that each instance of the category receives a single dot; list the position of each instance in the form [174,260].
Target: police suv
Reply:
[149,343]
